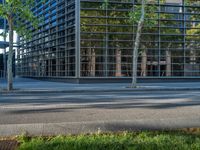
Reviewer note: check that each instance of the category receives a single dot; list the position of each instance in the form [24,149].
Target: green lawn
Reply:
[122,141]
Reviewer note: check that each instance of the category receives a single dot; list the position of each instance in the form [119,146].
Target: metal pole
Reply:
[78,55]
[4,55]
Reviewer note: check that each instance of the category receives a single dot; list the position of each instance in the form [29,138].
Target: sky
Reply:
[1,39]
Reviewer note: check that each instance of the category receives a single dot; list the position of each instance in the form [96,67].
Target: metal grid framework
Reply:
[51,51]
[169,48]
[105,37]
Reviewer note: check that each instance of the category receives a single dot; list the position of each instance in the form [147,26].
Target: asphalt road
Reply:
[100,106]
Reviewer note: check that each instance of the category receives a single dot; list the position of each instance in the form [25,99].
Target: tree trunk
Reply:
[136,46]
[4,56]
[192,57]
[10,56]
[4,61]
[192,63]
[144,64]
[118,63]
[168,63]
[93,63]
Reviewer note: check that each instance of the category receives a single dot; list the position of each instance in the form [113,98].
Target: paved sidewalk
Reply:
[31,85]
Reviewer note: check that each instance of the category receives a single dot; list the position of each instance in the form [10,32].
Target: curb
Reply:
[98,90]
[66,128]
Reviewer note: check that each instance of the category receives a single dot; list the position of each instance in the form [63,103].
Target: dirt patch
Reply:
[8,145]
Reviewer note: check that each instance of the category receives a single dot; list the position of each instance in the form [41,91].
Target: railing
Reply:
[3,74]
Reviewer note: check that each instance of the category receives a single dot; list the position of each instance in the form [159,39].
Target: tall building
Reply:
[1,20]
[88,39]
[3,73]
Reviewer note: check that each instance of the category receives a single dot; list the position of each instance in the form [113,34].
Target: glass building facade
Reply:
[1,20]
[51,51]
[91,39]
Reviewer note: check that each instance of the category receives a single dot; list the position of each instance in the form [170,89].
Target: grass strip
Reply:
[149,140]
